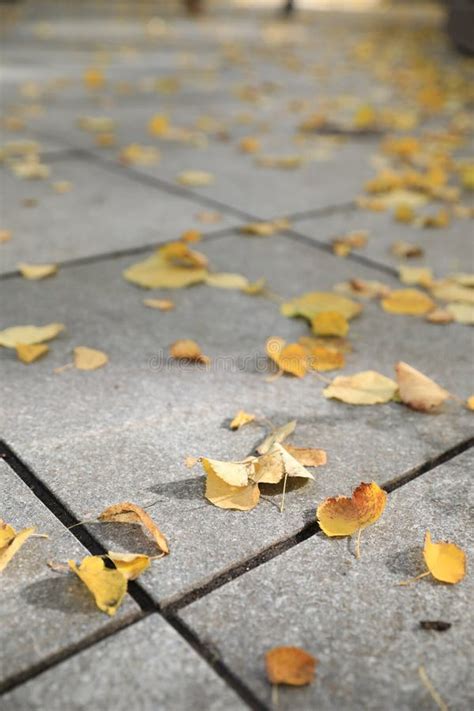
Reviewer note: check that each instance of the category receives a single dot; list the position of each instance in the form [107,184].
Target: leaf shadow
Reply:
[128,537]
[183,490]
[64,593]
[407,563]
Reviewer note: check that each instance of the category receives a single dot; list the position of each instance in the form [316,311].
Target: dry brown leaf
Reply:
[11,542]
[290,665]
[160,304]
[29,353]
[131,565]
[37,271]
[365,388]
[127,512]
[29,335]
[195,178]
[307,456]
[89,358]
[417,390]
[186,349]
[409,302]
[240,419]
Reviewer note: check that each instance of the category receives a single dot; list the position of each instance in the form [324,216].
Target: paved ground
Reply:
[194,629]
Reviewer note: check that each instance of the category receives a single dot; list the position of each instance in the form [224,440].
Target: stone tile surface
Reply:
[352,614]
[446,250]
[105,211]
[147,664]
[43,613]
[127,428]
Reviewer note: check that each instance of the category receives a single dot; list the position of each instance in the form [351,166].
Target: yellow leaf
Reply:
[249,144]
[467,176]
[131,565]
[62,186]
[365,117]
[404,213]
[156,273]
[29,353]
[88,358]
[449,291]
[11,542]
[226,280]
[37,271]
[470,402]
[160,304]
[265,229]
[105,140]
[241,418]
[288,162]
[342,246]
[290,665]
[445,561]
[417,390]
[135,154]
[158,125]
[107,585]
[127,512]
[462,313]
[365,388]
[28,335]
[307,456]
[179,254]
[363,288]
[439,219]
[31,169]
[256,288]
[195,178]
[228,484]
[5,236]
[343,515]
[278,435]
[186,349]
[329,323]
[313,303]
[411,302]
[416,275]
[440,316]
[270,468]
[94,78]
[323,359]
[291,358]
[406,250]
[209,217]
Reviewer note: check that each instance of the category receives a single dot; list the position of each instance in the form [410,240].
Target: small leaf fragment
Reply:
[127,512]
[195,178]
[240,419]
[445,561]
[107,585]
[417,390]
[37,271]
[160,304]
[88,358]
[186,349]
[28,353]
[290,358]
[365,388]
[329,323]
[131,565]
[290,665]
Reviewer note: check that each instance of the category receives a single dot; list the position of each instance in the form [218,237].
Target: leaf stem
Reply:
[415,579]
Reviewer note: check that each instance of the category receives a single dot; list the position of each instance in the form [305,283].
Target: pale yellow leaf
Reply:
[37,271]
[195,178]
[226,280]
[278,435]
[29,335]
[160,304]
[462,313]
[89,358]
[417,390]
[365,388]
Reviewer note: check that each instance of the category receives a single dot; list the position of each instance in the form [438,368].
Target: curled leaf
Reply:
[343,515]
[107,585]
[131,565]
[445,561]
[290,665]
[277,463]
[417,390]
[241,418]
[230,485]
[127,512]
[11,542]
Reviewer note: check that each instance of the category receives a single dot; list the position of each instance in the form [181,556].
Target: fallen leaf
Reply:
[445,561]
[404,213]
[5,236]
[126,512]
[288,162]
[226,280]
[11,542]
[241,418]
[342,246]
[365,388]
[28,353]
[186,349]
[307,456]
[209,217]
[93,78]
[31,169]
[158,125]
[417,390]
[265,229]
[62,186]
[290,358]
[256,288]
[344,515]
[278,435]
[131,565]
[89,358]
[439,219]
[191,236]
[195,178]
[450,291]
[107,585]
[249,144]
[416,275]
[323,359]
[229,484]
[462,313]
[29,335]
[166,269]
[470,402]
[96,124]
[410,302]
[160,304]
[37,271]
[290,665]
[406,250]
[441,316]
[136,154]
[313,303]
[179,254]
[329,323]
[365,288]
[277,463]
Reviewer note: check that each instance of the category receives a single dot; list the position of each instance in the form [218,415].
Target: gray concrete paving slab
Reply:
[127,428]
[44,613]
[352,614]
[147,665]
